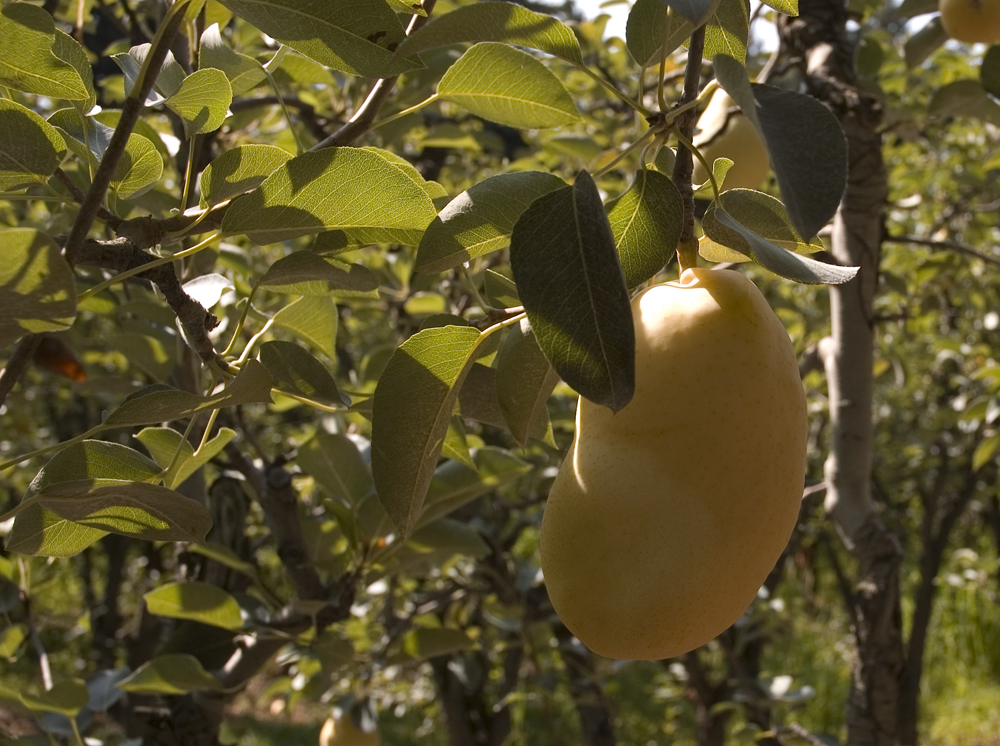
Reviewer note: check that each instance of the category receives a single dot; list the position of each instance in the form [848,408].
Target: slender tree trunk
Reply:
[817,39]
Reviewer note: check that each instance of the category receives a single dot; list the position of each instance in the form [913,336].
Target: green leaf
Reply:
[911,8]
[477,400]
[924,43]
[985,451]
[158,403]
[96,138]
[989,70]
[37,287]
[177,673]
[760,213]
[783,262]
[202,100]
[138,170]
[720,168]
[728,29]
[11,640]
[199,602]
[295,371]
[571,283]
[508,86]
[412,408]
[137,509]
[653,31]
[646,222]
[314,319]
[437,542]
[455,485]
[455,445]
[525,380]
[500,290]
[308,273]
[30,147]
[479,220]
[244,73]
[425,643]
[964,98]
[65,698]
[696,11]
[357,39]
[164,442]
[326,189]
[496,21]
[334,461]
[788,7]
[806,145]
[239,170]
[36,58]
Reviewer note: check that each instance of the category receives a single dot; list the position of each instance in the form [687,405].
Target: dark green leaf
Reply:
[239,170]
[964,98]
[786,263]
[426,643]
[326,189]
[334,461]
[760,213]
[454,484]
[156,404]
[989,71]
[508,86]
[357,39]
[65,697]
[925,42]
[412,408]
[788,7]
[525,380]
[177,673]
[653,31]
[479,221]
[30,147]
[696,11]
[570,281]
[806,145]
[496,21]
[646,222]
[308,273]
[295,371]
[37,287]
[199,602]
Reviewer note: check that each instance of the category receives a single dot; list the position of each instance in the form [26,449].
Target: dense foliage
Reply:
[295,303]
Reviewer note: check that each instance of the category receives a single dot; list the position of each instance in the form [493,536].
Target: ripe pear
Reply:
[725,132]
[971,21]
[341,731]
[667,516]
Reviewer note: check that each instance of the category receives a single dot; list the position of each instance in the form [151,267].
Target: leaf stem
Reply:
[240,324]
[612,90]
[625,153]
[49,448]
[405,112]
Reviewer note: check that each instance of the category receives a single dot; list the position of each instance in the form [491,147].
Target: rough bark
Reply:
[817,40]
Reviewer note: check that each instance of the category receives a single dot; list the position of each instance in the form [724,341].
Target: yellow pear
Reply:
[971,21]
[666,517]
[340,731]
[725,132]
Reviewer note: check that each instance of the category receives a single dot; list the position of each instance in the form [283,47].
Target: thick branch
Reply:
[131,109]
[120,255]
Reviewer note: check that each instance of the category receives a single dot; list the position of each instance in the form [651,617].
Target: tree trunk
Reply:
[818,40]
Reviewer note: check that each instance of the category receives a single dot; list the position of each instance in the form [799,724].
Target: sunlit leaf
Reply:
[479,220]
[30,147]
[309,273]
[495,21]
[199,602]
[28,55]
[243,72]
[138,169]
[727,30]
[314,319]
[177,673]
[202,100]
[653,31]
[239,170]
[508,86]
[37,287]
[295,371]
[412,408]
[164,443]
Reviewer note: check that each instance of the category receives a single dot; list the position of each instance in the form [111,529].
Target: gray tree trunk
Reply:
[817,40]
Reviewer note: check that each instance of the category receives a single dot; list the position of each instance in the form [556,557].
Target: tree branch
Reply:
[687,247]
[961,248]
[17,364]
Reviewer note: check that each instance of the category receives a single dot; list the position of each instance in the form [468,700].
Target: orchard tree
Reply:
[296,305]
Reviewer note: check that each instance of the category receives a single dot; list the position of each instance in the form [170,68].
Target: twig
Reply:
[17,364]
[121,255]
[77,193]
[363,118]
[131,109]
[687,247]
[307,113]
[961,248]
